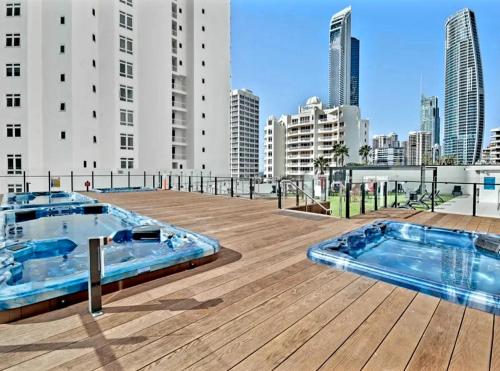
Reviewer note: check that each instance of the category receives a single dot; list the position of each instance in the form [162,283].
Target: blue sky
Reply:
[280,51]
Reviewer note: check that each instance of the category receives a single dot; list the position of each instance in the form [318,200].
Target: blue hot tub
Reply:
[41,199]
[44,251]
[455,265]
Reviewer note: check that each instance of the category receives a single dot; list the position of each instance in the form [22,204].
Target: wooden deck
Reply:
[261,305]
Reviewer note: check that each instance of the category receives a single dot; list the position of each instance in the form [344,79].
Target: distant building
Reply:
[491,154]
[312,132]
[339,68]
[354,71]
[387,150]
[274,148]
[429,118]
[464,91]
[419,148]
[244,123]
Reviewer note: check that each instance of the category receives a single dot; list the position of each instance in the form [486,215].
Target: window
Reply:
[62,20]
[94,139]
[203,115]
[203,80]
[180,45]
[62,77]
[180,10]
[180,62]
[126,45]
[84,163]
[126,117]
[126,20]
[13,39]
[203,98]
[62,106]
[127,141]
[126,163]
[203,132]
[126,93]
[93,12]
[203,28]
[13,100]
[203,63]
[13,69]
[62,49]
[126,2]
[63,135]
[13,9]
[14,165]
[95,164]
[94,89]
[93,37]
[13,130]
[203,45]
[126,69]
[93,63]
[203,166]
[180,28]
[94,114]
[203,149]
[202,10]
[14,188]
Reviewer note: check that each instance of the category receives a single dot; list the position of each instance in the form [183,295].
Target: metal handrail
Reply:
[286,181]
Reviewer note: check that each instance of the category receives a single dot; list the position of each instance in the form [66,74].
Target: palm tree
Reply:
[342,152]
[335,149]
[365,152]
[320,165]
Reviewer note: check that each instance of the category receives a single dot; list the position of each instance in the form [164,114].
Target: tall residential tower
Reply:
[244,134]
[115,85]
[464,91]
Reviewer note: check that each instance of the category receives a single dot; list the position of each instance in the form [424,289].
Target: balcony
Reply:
[179,105]
[178,140]
[179,156]
[179,123]
[179,88]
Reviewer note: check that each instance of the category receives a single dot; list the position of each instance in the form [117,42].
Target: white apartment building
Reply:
[274,148]
[115,85]
[419,148]
[388,150]
[244,157]
[491,154]
[312,132]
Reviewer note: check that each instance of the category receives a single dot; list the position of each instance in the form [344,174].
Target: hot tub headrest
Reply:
[146,232]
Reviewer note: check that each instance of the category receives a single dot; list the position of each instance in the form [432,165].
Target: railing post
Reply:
[279,194]
[111,179]
[474,206]
[92,178]
[375,190]
[71,177]
[154,182]
[159,179]
[348,201]
[216,186]
[189,183]
[144,178]
[251,189]
[201,183]
[396,194]
[169,181]
[95,273]
[128,179]
[232,187]
[433,190]
[50,183]
[178,182]
[24,181]
[363,198]
[385,194]
[297,193]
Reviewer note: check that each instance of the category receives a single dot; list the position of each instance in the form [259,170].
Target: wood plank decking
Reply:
[261,305]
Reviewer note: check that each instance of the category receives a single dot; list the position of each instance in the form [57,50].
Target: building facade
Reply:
[339,68]
[388,150]
[244,123]
[117,85]
[491,154]
[464,90]
[274,148]
[312,133]
[354,71]
[429,118]
[419,148]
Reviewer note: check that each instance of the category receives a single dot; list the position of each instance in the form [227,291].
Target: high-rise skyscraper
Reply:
[339,69]
[429,117]
[354,71]
[244,123]
[464,91]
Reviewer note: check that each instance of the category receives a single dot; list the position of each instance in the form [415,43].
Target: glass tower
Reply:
[354,71]
[464,90]
[429,117]
[339,69]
